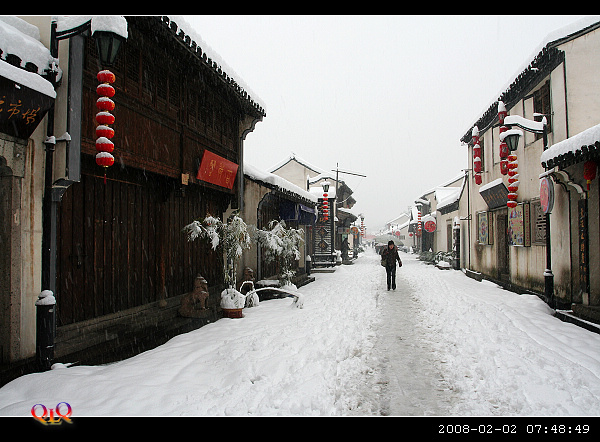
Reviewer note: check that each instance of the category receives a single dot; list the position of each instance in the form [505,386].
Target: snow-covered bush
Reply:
[233,236]
[283,245]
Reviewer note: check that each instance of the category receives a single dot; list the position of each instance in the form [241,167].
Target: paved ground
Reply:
[406,378]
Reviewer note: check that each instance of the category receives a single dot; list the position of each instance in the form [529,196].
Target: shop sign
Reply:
[217,170]
[546,194]
[21,108]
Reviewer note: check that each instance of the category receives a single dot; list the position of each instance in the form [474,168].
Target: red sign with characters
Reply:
[217,170]
[430,226]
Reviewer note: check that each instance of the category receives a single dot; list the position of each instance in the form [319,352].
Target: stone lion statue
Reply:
[193,304]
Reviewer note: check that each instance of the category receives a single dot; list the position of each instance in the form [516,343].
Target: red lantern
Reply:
[476,151]
[503,150]
[478,179]
[106,77]
[104,159]
[501,112]
[477,164]
[511,204]
[105,118]
[103,144]
[105,90]
[105,131]
[589,172]
[105,104]
[504,167]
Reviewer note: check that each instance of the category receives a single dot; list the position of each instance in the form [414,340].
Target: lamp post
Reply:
[511,138]
[108,44]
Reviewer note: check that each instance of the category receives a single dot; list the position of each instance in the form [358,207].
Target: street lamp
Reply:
[511,138]
[108,43]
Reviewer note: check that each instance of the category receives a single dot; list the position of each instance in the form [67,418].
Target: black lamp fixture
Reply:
[511,138]
[325,185]
[108,45]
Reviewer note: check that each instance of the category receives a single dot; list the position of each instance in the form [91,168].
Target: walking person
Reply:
[389,256]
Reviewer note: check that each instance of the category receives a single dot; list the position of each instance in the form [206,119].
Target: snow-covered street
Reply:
[441,344]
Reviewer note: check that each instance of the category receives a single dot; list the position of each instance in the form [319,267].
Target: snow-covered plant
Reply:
[231,298]
[233,236]
[283,245]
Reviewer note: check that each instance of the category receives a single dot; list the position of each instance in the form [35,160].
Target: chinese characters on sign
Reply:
[217,170]
[584,266]
[21,108]
[519,225]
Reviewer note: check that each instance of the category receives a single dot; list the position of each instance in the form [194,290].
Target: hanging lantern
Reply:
[103,144]
[589,172]
[475,135]
[503,150]
[106,76]
[503,167]
[105,118]
[478,179]
[105,90]
[104,104]
[105,131]
[511,204]
[476,151]
[501,112]
[477,165]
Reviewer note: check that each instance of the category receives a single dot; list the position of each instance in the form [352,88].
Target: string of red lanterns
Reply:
[508,160]
[476,155]
[325,206]
[104,146]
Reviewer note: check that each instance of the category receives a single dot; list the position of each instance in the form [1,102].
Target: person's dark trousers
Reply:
[391,276]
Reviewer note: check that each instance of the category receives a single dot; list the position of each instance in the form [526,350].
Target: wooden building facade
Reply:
[123,260]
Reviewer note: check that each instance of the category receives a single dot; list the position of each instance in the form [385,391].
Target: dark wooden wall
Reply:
[121,243]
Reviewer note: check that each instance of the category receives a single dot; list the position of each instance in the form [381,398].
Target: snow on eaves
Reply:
[21,39]
[572,144]
[110,23]
[216,58]
[553,38]
[280,183]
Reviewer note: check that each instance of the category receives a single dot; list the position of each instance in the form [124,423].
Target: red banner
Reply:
[217,170]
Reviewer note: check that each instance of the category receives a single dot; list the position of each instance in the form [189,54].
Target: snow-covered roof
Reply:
[530,68]
[280,183]
[294,157]
[110,23]
[572,147]
[447,195]
[21,39]
[217,62]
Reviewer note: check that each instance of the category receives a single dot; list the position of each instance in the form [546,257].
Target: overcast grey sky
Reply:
[385,96]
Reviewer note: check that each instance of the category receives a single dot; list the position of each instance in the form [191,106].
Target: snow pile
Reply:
[500,354]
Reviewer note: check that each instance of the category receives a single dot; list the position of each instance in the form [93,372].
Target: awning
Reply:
[291,211]
[494,193]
